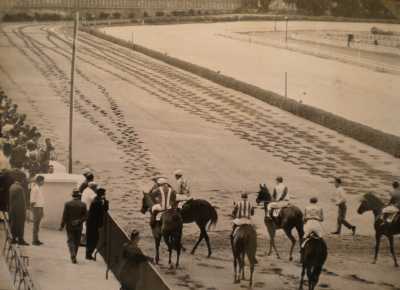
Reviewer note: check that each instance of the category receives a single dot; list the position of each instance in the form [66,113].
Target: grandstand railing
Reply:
[16,261]
[110,246]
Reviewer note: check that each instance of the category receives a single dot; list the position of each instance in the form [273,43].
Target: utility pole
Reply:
[72,89]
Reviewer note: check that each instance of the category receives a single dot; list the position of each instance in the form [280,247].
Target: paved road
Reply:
[137,117]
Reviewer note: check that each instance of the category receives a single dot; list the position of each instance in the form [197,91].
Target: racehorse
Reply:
[202,213]
[244,243]
[313,257]
[370,202]
[290,217]
[169,227]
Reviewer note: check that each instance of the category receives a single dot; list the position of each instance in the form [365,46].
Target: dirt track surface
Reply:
[137,117]
[315,76]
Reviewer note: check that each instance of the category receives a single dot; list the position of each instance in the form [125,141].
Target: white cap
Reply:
[162,180]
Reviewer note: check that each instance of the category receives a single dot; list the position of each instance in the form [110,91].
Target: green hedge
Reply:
[383,141]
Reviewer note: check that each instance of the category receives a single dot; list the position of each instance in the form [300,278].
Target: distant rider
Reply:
[393,207]
[183,188]
[242,213]
[313,216]
[280,196]
[164,197]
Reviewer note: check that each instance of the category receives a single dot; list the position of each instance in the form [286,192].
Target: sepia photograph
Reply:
[199,144]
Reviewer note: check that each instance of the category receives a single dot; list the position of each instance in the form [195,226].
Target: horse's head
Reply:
[263,194]
[147,203]
[369,202]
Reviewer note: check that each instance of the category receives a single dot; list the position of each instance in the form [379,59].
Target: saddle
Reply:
[311,236]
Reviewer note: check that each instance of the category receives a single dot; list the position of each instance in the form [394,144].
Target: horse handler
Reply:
[340,201]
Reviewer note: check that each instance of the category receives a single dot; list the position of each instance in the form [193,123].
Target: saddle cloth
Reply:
[238,226]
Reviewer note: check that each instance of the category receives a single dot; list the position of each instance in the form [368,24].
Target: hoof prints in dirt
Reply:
[110,121]
[312,150]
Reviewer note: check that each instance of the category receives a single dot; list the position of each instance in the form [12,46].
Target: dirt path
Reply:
[137,117]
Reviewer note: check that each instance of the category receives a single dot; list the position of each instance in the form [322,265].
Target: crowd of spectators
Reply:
[23,156]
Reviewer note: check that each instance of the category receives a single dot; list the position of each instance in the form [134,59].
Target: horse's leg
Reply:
[157,242]
[293,240]
[303,271]
[316,272]
[271,231]
[251,261]
[206,237]
[310,278]
[242,265]
[201,236]
[235,265]
[178,248]
[377,244]
[392,250]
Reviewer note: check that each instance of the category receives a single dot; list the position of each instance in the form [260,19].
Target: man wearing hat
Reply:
[313,216]
[96,214]
[74,215]
[183,189]
[242,213]
[164,198]
[88,178]
[280,196]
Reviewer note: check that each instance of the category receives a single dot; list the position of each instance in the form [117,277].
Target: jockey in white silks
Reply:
[390,211]
[313,216]
[280,197]
[164,198]
[183,188]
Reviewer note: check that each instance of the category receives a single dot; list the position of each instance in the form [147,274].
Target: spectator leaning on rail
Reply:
[74,215]
[37,206]
[340,201]
[129,272]
[96,215]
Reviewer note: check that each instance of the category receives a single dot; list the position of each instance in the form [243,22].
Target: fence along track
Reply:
[16,261]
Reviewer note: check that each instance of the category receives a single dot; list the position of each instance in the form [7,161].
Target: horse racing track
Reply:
[136,117]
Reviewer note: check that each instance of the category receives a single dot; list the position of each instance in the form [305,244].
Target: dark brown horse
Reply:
[289,217]
[313,257]
[169,227]
[244,242]
[202,213]
[370,202]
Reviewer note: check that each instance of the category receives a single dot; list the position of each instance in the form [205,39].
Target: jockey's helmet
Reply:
[244,195]
[279,179]
[161,181]
[314,199]
[178,172]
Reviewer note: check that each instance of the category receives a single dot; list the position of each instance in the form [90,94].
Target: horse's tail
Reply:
[213,218]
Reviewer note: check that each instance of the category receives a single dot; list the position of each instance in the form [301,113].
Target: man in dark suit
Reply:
[96,214]
[74,215]
[17,212]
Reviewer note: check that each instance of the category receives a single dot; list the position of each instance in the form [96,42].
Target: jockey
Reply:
[280,196]
[394,204]
[242,213]
[164,198]
[313,216]
[183,189]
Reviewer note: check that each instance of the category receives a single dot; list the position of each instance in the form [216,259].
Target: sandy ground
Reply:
[314,75]
[137,117]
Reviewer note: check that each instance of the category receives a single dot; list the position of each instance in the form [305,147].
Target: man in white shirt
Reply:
[37,205]
[89,194]
[340,201]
